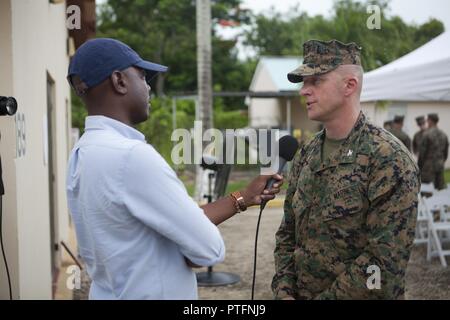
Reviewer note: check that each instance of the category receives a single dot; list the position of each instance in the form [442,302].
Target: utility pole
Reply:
[204,81]
[204,57]
[204,178]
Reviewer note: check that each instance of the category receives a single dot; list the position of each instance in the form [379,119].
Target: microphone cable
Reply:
[256,251]
[288,146]
[3,249]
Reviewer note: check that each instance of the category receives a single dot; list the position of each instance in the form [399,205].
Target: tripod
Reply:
[210,278]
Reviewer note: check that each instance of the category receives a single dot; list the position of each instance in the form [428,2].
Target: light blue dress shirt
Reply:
[133,218]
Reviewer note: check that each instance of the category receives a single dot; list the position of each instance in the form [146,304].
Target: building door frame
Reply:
[51,163]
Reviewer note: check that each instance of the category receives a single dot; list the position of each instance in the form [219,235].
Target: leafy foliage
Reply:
[283,35]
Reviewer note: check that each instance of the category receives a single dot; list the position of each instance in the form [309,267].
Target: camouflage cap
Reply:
[399,119]
[320,57]
[420,120]
[434,117]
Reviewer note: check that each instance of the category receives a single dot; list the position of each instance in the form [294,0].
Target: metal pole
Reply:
[174,113]
[288,115]
[204,57]
[204,80]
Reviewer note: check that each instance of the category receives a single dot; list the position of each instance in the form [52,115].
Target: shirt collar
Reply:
[106,123]
[348,151]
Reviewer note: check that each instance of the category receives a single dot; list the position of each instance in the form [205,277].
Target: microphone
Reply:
[288,146]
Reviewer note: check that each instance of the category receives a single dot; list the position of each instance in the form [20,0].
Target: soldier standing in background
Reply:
[417,139]
[351,205]
[433,153]
[397,130]
[387,125]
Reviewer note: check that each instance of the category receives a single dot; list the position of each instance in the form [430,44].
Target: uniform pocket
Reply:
[343,219]
[343,201]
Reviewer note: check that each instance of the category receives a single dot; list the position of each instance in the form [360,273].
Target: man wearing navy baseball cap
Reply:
[139,233]
[113,73]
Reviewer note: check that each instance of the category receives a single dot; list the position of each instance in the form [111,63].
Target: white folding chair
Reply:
[434,247]
[427,188]
[421,224]
[443,192]
[442,201]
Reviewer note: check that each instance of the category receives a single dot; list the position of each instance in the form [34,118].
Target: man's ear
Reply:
[351,85]
[119,82]
[78,85]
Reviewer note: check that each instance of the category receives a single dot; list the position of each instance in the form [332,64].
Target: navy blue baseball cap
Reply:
[97,59]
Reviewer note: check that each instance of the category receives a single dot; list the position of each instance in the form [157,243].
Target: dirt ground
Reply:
[239,236]
[424,280]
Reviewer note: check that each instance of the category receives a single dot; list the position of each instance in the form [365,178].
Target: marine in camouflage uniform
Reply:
[398,132]
[417,139]
[355,209]
[433,153]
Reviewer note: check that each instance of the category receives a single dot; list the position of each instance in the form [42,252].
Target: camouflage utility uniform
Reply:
[403,137]
[346,213]
[433,153]
[417,141]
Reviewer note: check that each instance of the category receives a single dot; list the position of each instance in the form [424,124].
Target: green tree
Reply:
[164,31]
[79,112]
[428,30]
[284,35]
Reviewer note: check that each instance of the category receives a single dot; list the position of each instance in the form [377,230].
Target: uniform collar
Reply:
[109,124]
[347,152]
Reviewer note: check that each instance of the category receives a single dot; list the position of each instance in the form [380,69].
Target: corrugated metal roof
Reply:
[278,68]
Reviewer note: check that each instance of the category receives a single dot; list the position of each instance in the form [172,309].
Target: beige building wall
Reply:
[272,112]
[264,112]
[35,51]
[8,151]
[374,114]
[299,116]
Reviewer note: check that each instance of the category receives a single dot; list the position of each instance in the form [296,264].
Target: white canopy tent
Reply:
[421,75]
[414,85]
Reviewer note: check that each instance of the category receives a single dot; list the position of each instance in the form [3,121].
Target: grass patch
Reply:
[447,176]
[188,183]
[190,187]
[235,186]
[231,187]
